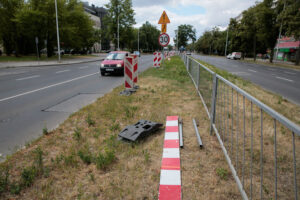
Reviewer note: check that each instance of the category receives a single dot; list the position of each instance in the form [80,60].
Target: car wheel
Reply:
[102,73]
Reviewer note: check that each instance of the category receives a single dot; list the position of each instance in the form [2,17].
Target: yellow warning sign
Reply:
[164,28]
[164,19]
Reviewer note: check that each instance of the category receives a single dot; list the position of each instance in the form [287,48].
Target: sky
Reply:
[201,14]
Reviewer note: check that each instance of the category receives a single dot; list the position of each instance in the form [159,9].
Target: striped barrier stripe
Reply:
[170,176]
[135,69]
[128,72]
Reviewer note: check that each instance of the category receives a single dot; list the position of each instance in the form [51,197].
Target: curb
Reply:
[54,64]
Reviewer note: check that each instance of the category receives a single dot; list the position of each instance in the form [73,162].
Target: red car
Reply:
[114,63]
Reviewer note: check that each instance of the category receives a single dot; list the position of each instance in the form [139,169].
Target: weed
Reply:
[114,127]
[222,173]
[4,175]
[28,175]
[86,156]
[45,130]
[90,121]
[146,155]
[70,160]
[92,177]
[38,160]
[103,160]
[77,134]
[15,188]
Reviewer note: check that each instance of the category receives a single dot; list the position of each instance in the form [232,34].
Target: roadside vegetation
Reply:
[82,158]
[42,58]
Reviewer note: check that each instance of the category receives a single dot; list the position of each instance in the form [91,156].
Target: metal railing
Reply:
[259,144]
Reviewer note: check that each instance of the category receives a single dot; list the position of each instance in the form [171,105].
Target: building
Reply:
[97,14]
[286,49]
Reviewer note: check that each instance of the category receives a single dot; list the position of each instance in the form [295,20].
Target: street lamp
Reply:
[118,29]
[176,32]
[226,41]
[57,31]
[138,39]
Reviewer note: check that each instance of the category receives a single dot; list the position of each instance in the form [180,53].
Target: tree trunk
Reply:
[271,55]
[298,55]
[254,48]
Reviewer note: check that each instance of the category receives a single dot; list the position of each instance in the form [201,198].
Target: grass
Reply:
[88,162]
[43,58]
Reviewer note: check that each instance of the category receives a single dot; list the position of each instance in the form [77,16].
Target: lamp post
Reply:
[226,41]
[138,39]
[57,32]
[118,29]
[176,32]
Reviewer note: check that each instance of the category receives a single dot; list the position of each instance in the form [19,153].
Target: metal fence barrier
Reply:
[259,144]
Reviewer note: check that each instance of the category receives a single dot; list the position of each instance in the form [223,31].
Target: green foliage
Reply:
[45,130]
[121,9]
[4,175]
[103,160]
[185,33]
[85,155]
[222,173]
[21,21]
[38,160]
[77,134]
[90,121]
[28,175]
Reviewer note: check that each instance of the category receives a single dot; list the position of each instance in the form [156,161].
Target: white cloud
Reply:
[217,12]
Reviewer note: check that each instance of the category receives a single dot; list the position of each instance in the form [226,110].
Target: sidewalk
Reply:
[52,62]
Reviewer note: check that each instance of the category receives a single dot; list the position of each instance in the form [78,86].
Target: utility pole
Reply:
[226,41]
[138,39]
[279,36]
[57,31]
[118,29]
[176,32]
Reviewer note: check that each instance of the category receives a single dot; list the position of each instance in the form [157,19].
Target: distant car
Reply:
[188,53]
[235,55]
[114,63]
[62,52]
[137,53]
[228,56]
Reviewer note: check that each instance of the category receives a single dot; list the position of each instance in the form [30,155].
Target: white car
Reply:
[228,56]
[235,55]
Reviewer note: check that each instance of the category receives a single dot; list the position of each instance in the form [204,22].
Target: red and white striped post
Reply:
[159,59]
[128,72]
[170,176]
[135,69]
[155,59]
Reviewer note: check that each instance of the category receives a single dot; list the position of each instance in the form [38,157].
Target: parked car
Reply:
[236,55]
[137,53]
[62,52]
[188,53]
[114,63]
[228,56]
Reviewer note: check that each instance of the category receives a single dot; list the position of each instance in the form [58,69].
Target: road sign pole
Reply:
[57,32]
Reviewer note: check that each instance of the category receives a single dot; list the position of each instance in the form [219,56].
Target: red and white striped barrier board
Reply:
[170,178]
[157,59]
[129,61]
[135,69]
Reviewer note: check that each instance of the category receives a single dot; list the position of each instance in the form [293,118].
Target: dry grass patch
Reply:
[82,158]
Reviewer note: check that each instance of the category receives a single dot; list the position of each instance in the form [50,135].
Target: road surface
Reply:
[282,81]
[34,97]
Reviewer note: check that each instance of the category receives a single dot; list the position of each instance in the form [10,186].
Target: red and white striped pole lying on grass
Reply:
[170,178]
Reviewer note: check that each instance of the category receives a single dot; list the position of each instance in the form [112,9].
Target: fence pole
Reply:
[198,77]
[213,103]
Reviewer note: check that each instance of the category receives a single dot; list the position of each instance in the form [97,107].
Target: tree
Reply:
[121,9]
[290,17]
[185,33]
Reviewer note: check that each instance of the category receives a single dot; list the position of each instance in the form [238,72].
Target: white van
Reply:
[235,55]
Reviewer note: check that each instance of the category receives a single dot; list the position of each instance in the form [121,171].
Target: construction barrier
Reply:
[128,72]
[170,178]
[157,59]
[135,69]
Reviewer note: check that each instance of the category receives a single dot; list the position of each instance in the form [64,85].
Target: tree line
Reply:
[257,31]
[22,21]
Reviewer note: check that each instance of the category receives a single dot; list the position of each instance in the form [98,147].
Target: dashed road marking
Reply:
[271,69]
[84,67]
[46,87]
[284,79]
[58,72]
[29,77]
[252,70]
[289,72]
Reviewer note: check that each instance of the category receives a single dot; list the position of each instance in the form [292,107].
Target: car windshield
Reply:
[115,56]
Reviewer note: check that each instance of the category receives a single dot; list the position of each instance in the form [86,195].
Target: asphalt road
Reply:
[34,97]
[282,81]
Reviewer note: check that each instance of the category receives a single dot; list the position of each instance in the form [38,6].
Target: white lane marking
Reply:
[284,79]
[29,77]
[58,72]
[272,69]
[49,86]
[289,73]
[252,70]
[84,67]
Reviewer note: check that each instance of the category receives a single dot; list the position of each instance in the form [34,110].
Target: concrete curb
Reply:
[54,64]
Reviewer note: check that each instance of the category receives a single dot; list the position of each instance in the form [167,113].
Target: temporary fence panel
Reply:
[259,144]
